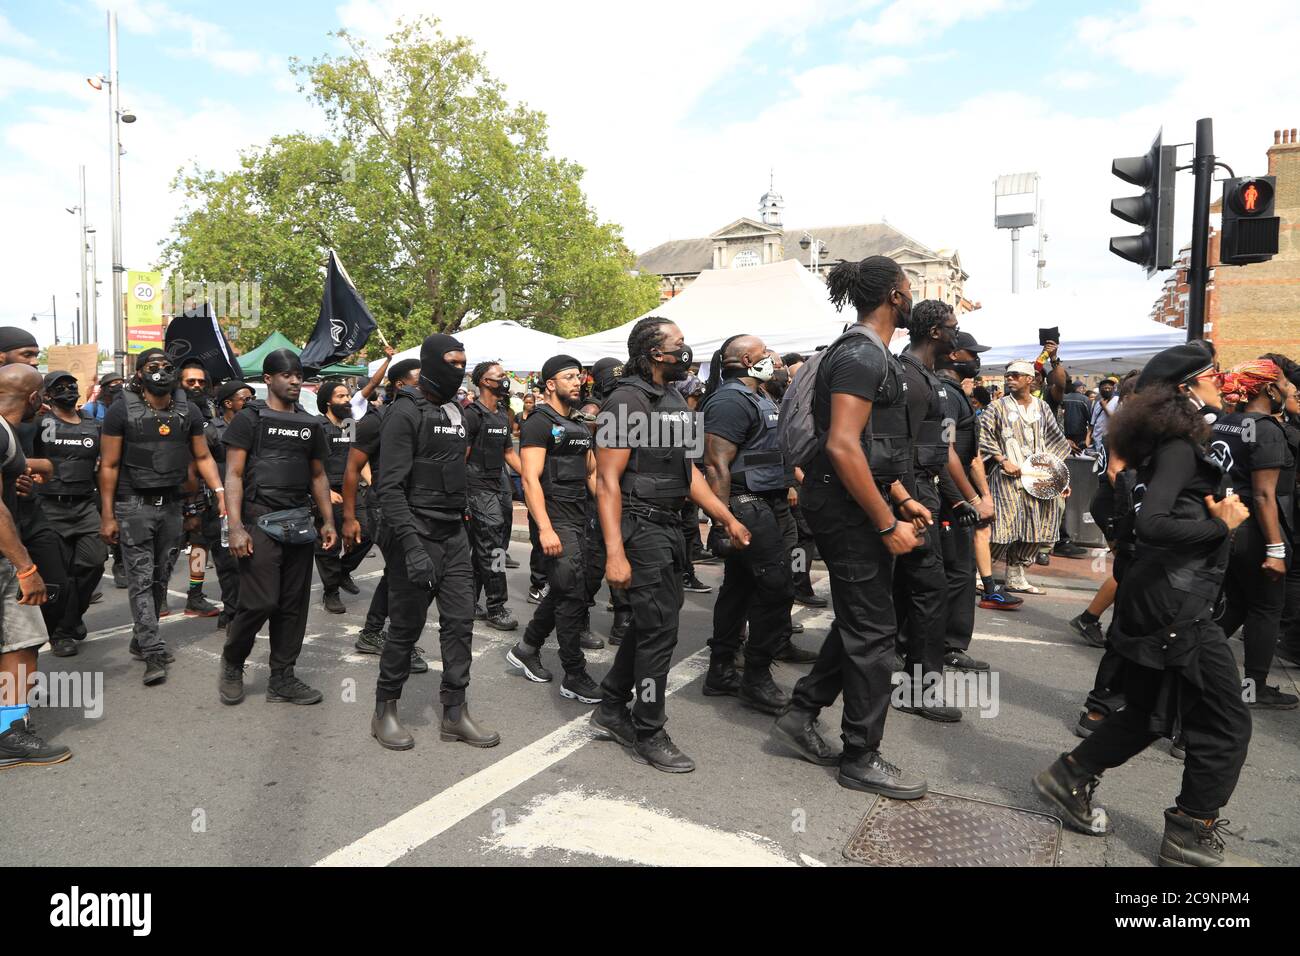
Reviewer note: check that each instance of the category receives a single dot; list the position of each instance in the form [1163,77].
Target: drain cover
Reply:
[944,830]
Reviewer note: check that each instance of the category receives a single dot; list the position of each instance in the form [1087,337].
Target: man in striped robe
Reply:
[1012,429]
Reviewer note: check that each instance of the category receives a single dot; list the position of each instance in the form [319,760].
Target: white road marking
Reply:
[596,824]
[444,810]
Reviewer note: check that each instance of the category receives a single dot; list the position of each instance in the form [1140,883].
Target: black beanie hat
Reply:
[557,364]
[12,337]
[1175,365]
[281,360]
[323,393]
[604,374]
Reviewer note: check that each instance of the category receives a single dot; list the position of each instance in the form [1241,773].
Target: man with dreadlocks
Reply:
[1252,447]
[859,416]
[743,463]
[643,476]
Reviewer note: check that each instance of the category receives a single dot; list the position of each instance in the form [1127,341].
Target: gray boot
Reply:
[457,724]
[387,729]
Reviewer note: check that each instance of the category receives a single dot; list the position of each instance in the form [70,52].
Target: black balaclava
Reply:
[157,383]
[435,374]
[604,375]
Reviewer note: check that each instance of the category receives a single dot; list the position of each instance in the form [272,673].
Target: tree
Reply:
[439,196]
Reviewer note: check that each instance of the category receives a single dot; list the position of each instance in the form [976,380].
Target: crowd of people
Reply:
[907,476]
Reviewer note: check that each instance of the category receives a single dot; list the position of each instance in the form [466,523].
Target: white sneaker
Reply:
[1018,582]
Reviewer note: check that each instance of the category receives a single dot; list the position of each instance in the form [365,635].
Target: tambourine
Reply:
[1044,476]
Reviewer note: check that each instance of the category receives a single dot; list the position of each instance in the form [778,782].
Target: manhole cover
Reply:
[944,830]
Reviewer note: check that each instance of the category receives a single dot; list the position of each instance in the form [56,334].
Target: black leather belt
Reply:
[157,500]
[657,515]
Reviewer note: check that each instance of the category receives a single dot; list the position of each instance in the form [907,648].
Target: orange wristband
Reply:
[27,574]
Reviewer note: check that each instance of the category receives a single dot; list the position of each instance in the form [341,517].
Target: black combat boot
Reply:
[1192,842]
[230,683]
[722,680]
[868,771]
[759,692]
[1068,788]
[797,729]
[659,751]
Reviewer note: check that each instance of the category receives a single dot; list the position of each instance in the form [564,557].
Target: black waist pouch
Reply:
[292,526]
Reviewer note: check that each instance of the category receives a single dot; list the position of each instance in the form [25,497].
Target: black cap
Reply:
[557,364]
[109,377]
[54,376]
[966,342]
[1175,365]
[228,389]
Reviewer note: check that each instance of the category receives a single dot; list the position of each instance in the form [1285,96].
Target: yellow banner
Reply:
[144,319]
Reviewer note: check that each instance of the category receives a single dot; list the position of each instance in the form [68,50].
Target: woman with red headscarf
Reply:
[1252,447]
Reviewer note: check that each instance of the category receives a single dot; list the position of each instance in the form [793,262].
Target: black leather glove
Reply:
[419,566]
[964,515]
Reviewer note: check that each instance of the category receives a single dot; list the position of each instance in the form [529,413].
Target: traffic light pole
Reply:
[1198,276]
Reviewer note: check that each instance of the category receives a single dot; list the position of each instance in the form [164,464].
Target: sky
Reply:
[902,111]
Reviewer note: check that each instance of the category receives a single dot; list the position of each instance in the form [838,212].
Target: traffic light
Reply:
[1250,230]
[1153,210]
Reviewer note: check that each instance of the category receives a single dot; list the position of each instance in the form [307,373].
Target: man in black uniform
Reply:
[743,464]
[859,415]
[200,514]
[643,477]
[231,396]
[422,494]
[361,504]
[604,376]
[275,463]
[71,442]
[335,569]
[558,469]
[151,435]
[491,510]
[971,486]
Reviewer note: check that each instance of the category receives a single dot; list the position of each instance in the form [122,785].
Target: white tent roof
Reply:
[783,304]
[517,347]
[1098,335]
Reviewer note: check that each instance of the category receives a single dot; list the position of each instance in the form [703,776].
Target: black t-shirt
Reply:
[242,433]
[10,472]
[731,416]
[367,441]
[1246,443]
[538,432]
[115,424]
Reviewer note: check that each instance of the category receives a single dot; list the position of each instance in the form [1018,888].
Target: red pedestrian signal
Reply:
[1250,228]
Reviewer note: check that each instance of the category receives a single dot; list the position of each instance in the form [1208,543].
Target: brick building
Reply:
[1251,309]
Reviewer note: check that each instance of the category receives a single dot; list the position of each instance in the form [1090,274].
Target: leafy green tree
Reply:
[439,196]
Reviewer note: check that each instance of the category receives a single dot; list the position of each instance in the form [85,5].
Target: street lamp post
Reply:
[80,329]
[815,249]
[117,115]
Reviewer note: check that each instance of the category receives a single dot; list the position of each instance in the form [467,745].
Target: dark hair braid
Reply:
[646,335]
[866,284]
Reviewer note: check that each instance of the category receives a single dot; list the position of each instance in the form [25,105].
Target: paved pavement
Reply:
[168,775]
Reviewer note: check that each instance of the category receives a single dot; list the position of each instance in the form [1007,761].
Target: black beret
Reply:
[1175,365]
[557,364]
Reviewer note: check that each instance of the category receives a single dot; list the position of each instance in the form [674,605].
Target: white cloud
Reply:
[911,21]
[11,36]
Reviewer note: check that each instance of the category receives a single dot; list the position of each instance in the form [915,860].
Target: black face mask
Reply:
[341,411]
[676,371]
[904,315]
[111,392]
[65,397]
[965,370]
[161,382]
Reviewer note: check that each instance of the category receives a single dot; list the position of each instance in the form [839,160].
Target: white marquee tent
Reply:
[1098,335]
[515,346]
[783,304]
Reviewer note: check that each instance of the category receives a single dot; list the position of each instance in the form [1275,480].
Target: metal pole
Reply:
[115,203]
[54,312]
[1042,245]
[94,284]
[81,241]
[1198,276]
[1015,261]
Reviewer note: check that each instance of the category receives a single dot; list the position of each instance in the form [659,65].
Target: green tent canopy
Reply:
[250,363]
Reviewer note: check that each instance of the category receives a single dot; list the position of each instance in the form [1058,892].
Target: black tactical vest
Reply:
[156,446]
[215,432]
[487,456]
[339,438]
[758,466]
[437,480]
[930,447]
[281,453]
[74,452]
[564,477]
[659,474]
[887,439]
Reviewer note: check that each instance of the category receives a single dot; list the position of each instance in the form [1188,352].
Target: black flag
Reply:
[345,323]
[199,336]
